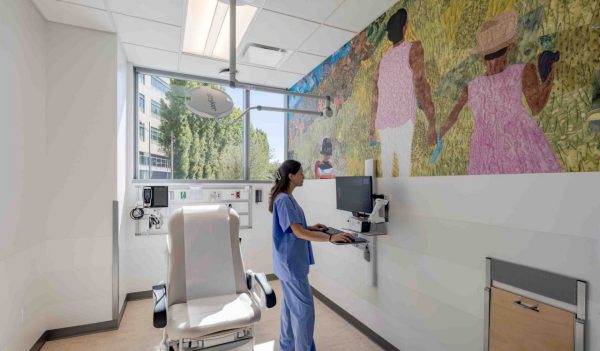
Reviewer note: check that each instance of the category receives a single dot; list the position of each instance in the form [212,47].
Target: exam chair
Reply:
[208,302]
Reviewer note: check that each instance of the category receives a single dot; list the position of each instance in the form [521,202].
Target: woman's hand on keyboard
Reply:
[342,238]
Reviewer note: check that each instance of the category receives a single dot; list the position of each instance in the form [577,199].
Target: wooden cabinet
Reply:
[521,324]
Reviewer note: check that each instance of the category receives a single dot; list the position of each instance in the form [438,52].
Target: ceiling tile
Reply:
[277,30]
[251,74]
[355,15]
[326,40]
[282,79]
[202,66]
[138,31]
[165,11]
[314,10]
[300,62]
[151,58]
[75,15]
[98,4]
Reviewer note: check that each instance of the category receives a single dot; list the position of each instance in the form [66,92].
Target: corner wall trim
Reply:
[92,328]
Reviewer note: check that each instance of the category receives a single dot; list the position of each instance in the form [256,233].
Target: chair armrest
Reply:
[159,294]
[261,279]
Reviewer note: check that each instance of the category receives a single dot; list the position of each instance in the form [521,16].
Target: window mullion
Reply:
[246,128]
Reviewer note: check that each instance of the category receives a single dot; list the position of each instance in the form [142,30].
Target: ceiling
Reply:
[151,32]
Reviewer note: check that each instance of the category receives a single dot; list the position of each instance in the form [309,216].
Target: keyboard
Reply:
[355,240]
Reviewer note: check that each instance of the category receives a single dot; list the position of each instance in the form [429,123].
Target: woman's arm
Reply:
[312,235]
[453,117]
[374,102]
[317,227]
[535,92]
[422,87]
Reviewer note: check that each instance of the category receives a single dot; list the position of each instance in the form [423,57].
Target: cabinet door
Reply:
[521,324]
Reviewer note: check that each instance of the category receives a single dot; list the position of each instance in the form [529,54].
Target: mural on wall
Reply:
[458,87]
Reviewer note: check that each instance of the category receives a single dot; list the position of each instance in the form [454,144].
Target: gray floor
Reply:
[136,332]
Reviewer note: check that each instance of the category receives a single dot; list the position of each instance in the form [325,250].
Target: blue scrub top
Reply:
[291,255]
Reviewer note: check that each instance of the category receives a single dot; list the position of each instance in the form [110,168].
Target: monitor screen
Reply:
[354,194]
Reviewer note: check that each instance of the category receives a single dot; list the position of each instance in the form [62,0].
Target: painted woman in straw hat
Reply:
[506,138]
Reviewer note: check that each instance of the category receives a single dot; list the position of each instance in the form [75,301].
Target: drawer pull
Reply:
[527,306]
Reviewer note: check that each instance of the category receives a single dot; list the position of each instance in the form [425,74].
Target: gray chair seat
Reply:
[204,316]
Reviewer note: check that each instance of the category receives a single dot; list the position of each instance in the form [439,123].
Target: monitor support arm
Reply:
[375,216]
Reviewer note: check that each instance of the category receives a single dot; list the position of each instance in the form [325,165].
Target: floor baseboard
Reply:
[99,327]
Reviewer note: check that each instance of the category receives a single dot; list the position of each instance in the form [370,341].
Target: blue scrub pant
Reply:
[297,316]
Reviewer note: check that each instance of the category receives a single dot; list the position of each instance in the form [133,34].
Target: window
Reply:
[154,134]
[159,84]
[184,146]
[266,135]
[142,132]
[141,79]
[155,108]
[142,103]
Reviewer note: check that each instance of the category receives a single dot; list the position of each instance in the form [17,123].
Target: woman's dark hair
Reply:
[282,179]
[395,26]
[495,54]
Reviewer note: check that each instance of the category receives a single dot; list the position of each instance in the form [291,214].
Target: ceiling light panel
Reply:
[207,27]
[326,40]
[164,11]
[314,10]
[152,34]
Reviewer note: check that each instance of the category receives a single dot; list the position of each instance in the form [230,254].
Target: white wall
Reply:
[81,179]
[431,267]
[22,204]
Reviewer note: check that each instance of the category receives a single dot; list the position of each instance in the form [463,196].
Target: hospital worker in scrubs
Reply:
[292,255]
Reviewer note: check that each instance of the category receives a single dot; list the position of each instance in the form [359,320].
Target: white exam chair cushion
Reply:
[205,316]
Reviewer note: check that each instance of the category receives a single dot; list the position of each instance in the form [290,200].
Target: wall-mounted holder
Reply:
[557,294]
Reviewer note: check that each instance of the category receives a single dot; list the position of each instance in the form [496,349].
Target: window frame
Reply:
[245,132]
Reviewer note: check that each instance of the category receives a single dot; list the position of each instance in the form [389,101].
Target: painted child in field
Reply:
[506,138]
[398,83]
[324,168]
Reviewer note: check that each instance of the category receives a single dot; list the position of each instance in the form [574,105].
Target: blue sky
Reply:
[271,123]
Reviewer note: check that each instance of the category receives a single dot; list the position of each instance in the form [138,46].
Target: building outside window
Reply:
[202,148]
[154,134]
[142,132]
[159,84]
[141,79]
[155,108]
[142,102]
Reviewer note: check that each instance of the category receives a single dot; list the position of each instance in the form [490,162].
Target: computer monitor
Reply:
[354,194]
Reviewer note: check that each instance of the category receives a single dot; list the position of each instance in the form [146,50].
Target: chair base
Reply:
[234,340]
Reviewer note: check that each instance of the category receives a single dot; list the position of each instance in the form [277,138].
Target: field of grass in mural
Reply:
[447,31]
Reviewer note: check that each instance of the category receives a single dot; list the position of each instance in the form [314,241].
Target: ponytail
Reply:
[282,179]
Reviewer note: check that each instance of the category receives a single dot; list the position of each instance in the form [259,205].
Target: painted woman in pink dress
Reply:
[399,82]
[506,138]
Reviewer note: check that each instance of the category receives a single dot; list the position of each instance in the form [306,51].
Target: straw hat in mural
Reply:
[497,33]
